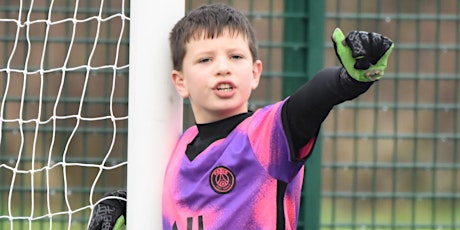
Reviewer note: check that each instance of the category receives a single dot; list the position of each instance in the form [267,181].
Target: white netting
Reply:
[63,114]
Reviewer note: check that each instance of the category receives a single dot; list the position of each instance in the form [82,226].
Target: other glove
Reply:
[364,55]
[109,213]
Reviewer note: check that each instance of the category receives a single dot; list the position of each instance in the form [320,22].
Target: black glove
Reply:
[109,213]
[363,54]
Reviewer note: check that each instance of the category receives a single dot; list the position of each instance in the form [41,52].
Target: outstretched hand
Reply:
[109,213]
[364,55]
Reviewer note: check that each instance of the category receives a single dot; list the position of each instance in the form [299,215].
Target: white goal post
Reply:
[155,109]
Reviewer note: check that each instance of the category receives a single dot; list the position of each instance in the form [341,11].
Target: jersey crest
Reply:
[222,180]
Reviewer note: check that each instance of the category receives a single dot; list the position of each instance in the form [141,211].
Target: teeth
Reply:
[226,87]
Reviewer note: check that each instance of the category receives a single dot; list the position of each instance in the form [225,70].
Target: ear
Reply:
[256,73]
[179,82]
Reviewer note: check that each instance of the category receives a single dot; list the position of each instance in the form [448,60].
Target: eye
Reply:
[204,60]
[236,57]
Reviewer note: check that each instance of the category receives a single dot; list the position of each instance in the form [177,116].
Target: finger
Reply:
[380,45]
[338,38]
[343,52]
[358,41]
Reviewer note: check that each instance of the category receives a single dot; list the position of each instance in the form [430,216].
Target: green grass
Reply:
[79,220]
[41,225]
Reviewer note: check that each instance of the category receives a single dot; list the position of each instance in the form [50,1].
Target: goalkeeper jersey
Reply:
[245,180]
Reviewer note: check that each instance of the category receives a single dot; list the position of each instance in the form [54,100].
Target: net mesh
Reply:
[63,112]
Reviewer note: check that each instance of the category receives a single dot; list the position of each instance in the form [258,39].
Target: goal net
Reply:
[68,70]
[64,109]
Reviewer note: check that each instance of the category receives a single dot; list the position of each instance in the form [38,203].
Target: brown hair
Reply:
[209,21]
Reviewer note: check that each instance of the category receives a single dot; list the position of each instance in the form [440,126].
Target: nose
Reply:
[223,67]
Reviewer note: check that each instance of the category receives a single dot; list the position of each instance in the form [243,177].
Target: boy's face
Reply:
[218,76]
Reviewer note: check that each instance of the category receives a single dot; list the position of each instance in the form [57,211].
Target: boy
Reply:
[238,169]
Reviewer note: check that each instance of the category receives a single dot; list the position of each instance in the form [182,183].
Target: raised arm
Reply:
[363,56]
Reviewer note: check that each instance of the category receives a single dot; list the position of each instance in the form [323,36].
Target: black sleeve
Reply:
[308,107]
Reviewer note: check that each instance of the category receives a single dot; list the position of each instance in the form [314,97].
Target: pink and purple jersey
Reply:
[246,180]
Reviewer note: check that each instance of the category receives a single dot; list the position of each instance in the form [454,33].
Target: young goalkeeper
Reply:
[241,169]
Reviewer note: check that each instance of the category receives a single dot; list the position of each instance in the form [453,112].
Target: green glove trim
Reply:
[120,224]
[373,73]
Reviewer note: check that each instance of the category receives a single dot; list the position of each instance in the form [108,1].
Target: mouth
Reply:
[224,87]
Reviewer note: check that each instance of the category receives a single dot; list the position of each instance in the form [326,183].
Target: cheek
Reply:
[195,86]
[195,80]
[250,85]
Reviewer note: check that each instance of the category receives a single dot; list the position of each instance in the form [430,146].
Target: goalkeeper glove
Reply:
[109,213]
[364,55]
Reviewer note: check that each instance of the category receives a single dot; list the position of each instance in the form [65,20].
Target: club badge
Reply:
[222,180]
